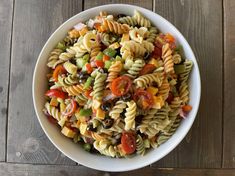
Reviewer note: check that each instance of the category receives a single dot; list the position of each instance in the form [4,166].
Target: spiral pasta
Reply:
[130,115]
[141,20]
[74,89]
[128,20]
[114,71]
[140,148]
[164,89]
[67,81]
[176,58]
[70,68]
[167,58]
[133,47]
[115,27]
[152,34]
[99,86]
[53,111]
[135,68]
[147,80]
[117,109]
[54,60]
[94,52]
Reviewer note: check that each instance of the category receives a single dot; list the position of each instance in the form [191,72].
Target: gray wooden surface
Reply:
[202,28]
[49,170]
[209,27]
[229,84]
[5,49]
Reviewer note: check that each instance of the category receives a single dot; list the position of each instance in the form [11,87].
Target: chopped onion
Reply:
[79,26]
[182,114]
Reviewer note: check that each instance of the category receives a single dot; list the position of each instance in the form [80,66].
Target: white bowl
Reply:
[75,151]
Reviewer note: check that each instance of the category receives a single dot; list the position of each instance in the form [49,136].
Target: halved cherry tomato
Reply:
[121,85]
[169,38]
[157,52]
[56,93]
[99,63]
[89,68]
[143,98]
[148,68]
[70,109]
[105,58]
[58,70]
[186,108]
[170,97]
[128,142]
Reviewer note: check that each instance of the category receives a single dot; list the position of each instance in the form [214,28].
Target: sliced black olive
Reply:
[107,123]
[126,97]
[105,70]
[73,61]
[106,106]
[146,55]
[121,15]
[122,115]
[83,75]
[90,127]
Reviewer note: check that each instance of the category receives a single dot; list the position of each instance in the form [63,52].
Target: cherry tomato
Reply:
[99,63]
[157,52]
[148,68]
[58,70]
[70,109]
[105,58]
[143,98]
[128,142]
[56,93]
[89,68]
[170,97]
[187,108]
[121,85]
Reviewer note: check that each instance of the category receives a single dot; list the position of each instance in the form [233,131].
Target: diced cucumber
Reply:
[88,83]
[99,56]
[107,64]
[85,112]
[179,68]
[110,52]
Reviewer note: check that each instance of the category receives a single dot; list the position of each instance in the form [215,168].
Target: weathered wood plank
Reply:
[229,84]
[93,3]
[6,10]
[8,169]
[34,21]
[200,22]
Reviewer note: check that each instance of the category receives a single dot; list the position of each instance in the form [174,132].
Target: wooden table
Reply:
[208,25]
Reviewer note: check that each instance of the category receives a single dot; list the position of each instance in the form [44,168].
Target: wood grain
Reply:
[55,170]
[92,3]
[229,84]
[34,21]
[200,22]
[6,10]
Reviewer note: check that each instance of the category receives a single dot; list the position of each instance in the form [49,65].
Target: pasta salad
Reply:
[117,85]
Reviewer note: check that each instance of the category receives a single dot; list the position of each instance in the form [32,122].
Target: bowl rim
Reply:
[148,162]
